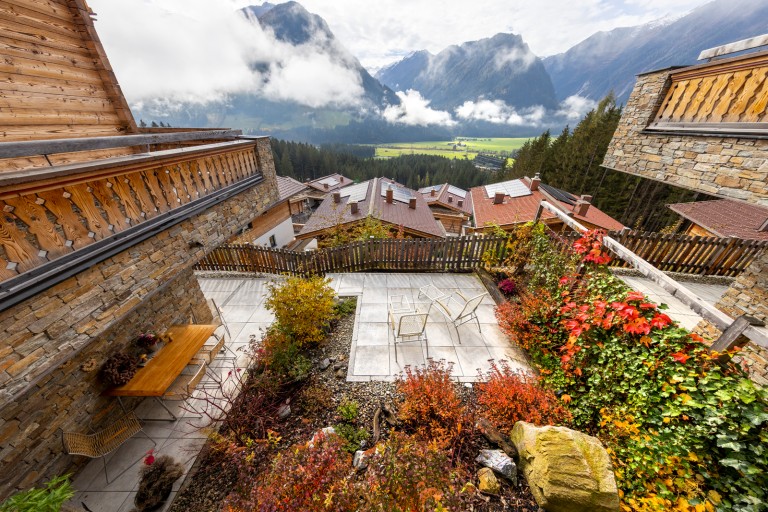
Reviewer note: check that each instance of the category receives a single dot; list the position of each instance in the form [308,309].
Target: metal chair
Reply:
[182,388]
[105,441]
[408,324]
[459,313]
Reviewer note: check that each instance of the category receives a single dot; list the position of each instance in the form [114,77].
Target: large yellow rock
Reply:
[566,470]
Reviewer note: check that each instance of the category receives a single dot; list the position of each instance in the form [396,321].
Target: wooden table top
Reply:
[159,372]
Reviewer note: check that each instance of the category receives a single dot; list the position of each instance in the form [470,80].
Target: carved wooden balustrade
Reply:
[54,214]
[726,97]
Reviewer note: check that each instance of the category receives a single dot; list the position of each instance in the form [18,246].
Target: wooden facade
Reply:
[56,81]
[723,95]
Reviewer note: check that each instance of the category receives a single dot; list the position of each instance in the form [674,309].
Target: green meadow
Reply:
[460,147]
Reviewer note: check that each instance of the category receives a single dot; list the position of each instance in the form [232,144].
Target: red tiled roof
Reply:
[726,218]
[329,214]
[318,184]
[287,187]
[445,198]
[516,210]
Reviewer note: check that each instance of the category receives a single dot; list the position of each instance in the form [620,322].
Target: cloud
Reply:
[201,52]
[498,112]
[414,110]
[514,57]
[574,108]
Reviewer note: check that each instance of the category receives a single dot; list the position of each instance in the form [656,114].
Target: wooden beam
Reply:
[737,46]
[704,309]
[52,146]
[715,128]
[733,336]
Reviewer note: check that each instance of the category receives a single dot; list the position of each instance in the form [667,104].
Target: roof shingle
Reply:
[726,218]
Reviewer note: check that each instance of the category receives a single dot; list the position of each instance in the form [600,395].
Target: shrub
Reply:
[507,286]
[506,397]
[686,429]
[315,398]
[310,478]
[303,308]
[406,474]
[431,407]
[352,435]
[49,499]
[281,356]
[156,481]
[345,307]
[348,410]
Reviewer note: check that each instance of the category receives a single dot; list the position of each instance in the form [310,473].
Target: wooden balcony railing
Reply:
[724,97]
[57,214]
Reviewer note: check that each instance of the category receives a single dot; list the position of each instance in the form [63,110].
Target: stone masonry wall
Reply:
[728,167]
[47,385]
[748,295]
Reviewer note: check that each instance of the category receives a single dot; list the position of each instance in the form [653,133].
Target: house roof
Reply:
[329,183]
[726,218]
[521,203]
[288,187]
[448,196]
[370,198]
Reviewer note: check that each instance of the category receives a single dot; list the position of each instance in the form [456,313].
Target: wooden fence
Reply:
[711,256]
[423,255]
[668,252]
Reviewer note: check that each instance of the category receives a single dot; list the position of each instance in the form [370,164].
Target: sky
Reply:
[196,51]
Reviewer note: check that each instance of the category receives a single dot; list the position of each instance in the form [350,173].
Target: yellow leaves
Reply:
[685,397]
[692,456]
[566,399]
[714,497]
[666,419]
[646,341]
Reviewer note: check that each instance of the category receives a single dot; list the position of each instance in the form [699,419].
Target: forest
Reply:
[307,162]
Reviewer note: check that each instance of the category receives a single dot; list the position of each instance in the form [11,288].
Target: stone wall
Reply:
[728,167]
[748,295]
[46,384]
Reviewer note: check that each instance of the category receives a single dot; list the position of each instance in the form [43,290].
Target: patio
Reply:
[372,357]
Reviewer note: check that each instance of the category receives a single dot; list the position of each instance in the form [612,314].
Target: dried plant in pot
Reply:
[148,341]
[119,369]
[157,478]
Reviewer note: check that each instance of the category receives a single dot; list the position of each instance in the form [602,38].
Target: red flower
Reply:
[680,357]
[564,280]
[635,296]
[696,337]
[637,326]
[660,321]
[149,459]
[647,305]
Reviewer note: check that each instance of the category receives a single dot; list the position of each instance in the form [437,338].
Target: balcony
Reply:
[60,219]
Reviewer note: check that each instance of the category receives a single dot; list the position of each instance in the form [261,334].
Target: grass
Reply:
[461,147]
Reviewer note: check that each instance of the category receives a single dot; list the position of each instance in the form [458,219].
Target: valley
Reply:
[460,147]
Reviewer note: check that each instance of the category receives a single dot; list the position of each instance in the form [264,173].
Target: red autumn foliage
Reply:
[431,407]
[591,246]
[506,397]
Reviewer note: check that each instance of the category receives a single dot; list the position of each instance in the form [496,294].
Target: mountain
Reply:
[501,67]
[610,60]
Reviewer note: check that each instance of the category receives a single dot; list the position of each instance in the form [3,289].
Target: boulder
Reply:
[566,470]
[324,432]
[283,411]
[500,462]
[487,482]
[360,461]
[325,363]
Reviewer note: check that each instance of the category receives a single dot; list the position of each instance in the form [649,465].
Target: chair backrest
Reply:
[185,384]
[471,306]
[195,380]
[104,441]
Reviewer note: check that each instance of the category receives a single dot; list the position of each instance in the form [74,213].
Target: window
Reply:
[272,241]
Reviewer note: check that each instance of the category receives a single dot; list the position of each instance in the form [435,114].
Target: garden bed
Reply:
[324,398]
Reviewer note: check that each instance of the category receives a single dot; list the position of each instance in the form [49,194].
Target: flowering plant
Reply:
[147,340]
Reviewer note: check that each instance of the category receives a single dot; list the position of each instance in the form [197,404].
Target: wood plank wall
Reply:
[56,81]
[728,92]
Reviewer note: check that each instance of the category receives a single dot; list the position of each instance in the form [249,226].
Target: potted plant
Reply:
[157,478]
[49,499]
[148,341]
[119,369]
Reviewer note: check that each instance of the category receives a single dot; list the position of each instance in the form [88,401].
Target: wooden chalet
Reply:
[451,206]
[102,223]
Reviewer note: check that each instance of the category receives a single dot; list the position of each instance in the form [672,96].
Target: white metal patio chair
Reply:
[406,323]
[459,313]
[182,388]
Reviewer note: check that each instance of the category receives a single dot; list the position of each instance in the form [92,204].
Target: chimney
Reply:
[460,203]
[412,203]
[433,192]
[450,199]
[582,205]
[353,208]
[390,195]
[336,197]
[498,198]
[325,186]
[535,182]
